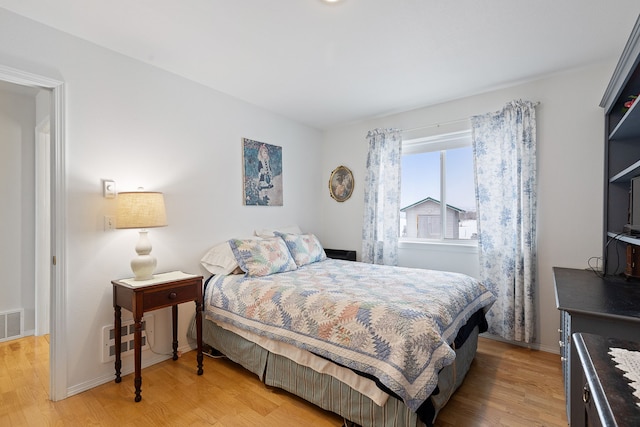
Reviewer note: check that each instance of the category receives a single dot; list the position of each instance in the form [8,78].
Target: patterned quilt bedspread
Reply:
[394,323]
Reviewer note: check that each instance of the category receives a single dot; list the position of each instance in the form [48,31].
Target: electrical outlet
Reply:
[109,223]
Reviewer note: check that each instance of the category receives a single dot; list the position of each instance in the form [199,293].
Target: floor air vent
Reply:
[11,325]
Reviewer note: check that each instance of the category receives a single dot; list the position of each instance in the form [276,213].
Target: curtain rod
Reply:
[435,125]
[450,122]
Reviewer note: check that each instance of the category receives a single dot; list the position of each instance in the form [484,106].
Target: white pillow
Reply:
[220,260]
[271,232]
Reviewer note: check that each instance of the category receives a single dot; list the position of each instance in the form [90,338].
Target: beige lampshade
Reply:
[140,209]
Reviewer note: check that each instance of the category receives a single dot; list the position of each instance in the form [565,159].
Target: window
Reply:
[437,188]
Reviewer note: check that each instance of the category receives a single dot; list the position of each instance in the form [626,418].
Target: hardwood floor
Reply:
[506,386]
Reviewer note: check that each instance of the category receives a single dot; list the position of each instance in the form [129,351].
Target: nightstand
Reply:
[164,290]
[340,254]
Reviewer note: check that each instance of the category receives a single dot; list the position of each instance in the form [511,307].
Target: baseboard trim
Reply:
[532,346]
[146,362]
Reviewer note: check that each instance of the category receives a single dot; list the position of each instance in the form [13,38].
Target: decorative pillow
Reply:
[262,257]
[220,260]
[271,232]
[305,248]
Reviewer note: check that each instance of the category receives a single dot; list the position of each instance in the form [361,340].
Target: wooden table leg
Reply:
[199,335]
[137,341]
[174,325]
[117,325]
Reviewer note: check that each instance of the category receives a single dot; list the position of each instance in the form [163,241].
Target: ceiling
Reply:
[330,64]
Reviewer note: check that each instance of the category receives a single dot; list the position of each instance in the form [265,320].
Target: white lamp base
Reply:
[144,265]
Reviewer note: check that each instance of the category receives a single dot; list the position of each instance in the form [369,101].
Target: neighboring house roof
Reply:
[430,199]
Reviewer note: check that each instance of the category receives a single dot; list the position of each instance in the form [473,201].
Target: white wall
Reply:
[17,212]
[141,126]
[570,131]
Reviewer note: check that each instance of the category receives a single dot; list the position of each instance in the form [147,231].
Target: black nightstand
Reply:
[341,254]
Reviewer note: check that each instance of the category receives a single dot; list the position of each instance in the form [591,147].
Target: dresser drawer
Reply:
[159,298]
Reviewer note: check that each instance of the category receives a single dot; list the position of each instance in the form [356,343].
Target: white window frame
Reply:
[439,142]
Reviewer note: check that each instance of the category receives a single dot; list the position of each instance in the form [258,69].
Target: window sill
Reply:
[459,246]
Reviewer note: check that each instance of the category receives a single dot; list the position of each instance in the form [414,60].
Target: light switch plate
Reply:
[108,189]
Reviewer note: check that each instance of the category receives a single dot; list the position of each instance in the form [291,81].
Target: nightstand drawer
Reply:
[169,296]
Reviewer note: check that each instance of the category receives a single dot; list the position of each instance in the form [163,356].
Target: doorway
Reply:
[20,109]
[43,225]
[57,203]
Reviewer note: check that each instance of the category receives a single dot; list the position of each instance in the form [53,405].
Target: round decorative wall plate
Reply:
[341,183]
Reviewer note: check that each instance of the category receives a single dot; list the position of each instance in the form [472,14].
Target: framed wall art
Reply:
[341,183]
[262,173]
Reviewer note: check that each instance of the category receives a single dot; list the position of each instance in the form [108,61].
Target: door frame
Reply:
[57,351]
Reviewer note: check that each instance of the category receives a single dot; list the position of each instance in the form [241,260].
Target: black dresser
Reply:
[609,307]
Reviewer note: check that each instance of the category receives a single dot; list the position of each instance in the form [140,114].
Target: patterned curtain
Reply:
[504,147]
[382,197]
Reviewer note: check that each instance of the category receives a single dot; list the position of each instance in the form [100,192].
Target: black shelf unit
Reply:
[622,152]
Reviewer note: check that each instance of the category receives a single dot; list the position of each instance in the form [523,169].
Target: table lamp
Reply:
[141,209]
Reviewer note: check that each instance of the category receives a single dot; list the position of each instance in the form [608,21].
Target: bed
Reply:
[378,345]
